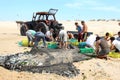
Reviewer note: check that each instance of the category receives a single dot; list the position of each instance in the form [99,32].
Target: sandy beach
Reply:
[94,69]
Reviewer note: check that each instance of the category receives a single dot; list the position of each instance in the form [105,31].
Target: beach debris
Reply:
[44,60]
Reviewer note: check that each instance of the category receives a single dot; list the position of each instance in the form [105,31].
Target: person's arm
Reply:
[83,29]
[112,47]
[76,28]
[97,46]
[52,38]
[71,35]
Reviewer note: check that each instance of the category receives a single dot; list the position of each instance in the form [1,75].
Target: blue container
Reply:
[82,45]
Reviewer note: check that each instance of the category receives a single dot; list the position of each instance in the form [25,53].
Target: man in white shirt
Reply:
[91,41]
[115,44]
[49,35]
[63,38]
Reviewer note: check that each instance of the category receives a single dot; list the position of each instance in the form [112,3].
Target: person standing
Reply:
[30,35]
[78,27]
[84,31]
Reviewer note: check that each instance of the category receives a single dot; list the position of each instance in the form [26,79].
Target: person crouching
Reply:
[30,35]
[38,36]
[103,45]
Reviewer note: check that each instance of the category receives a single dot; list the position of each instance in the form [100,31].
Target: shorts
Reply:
[104,52]
[85,35]
[63,37]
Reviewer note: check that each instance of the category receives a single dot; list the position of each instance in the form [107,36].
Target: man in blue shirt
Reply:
[78,27]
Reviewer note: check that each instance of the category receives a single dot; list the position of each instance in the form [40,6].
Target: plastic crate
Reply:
[52,46]
[86,50]
[82,45]
[114,55]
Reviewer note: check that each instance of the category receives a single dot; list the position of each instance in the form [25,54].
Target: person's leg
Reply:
[47,39]
[32,43]
[31,40]
[61,41]
[44,42]
[79,37]
[28,41]
[28,37]
[84,37]
[66,45]
[103,54]
[37,39]
[65,41]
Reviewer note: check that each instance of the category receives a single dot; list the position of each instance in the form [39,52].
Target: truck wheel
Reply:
[23,31]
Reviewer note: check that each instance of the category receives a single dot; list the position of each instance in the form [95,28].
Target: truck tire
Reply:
[42,26]
[23,31]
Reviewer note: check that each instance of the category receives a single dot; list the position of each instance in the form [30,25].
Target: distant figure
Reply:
[118,38]
[102,43]
[84,31]
[107,36]
[119,24]
[38,36]
[70,35]
[115,44]
[31,36]
[78,27]
[49,35]
[63,39]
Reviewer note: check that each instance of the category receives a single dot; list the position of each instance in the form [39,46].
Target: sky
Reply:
[12,10]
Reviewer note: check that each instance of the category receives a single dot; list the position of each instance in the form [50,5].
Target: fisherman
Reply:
[84,31]
[63,38]
[31,36]
[115,44]
[49,35]
[78,27]
[103,45]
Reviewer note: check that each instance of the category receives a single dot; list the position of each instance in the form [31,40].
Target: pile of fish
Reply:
[43,60]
